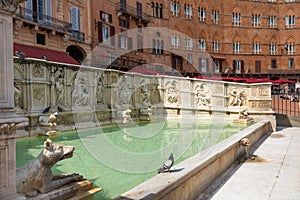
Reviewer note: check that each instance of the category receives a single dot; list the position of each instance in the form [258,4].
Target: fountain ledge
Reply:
[194,175]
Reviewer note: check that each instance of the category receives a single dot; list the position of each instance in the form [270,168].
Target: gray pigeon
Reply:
[167,165]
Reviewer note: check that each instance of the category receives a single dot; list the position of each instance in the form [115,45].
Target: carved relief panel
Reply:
[39,95]
[237,97]
[202,95]
[80,92]
[172,91]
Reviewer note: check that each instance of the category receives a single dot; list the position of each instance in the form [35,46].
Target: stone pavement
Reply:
[273,175]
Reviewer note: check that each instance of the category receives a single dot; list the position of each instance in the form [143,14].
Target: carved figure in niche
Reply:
[145,93]
[99,89]
[124,96]
[59,85]
[237,98]
[38,94]
[17,96]
[202,95]
[172,96]
[125,93]
[36,176]
[38,71]
[80,95]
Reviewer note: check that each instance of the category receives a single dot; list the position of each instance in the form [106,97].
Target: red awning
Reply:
[41,53]
[200,77]
[258,80]
[283,81]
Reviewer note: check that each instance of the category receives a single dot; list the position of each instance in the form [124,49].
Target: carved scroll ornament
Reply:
[10,5]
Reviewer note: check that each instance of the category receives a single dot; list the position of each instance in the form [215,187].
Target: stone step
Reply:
[83,185]
[75,190]
[84,194]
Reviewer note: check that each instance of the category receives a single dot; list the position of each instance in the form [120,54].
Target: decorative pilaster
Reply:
[9,121]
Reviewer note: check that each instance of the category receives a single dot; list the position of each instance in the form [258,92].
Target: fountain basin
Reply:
[115,182]
[197,173]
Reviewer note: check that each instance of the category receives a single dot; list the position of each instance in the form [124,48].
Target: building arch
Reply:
[203,35]
[256,39]
[236,9]
[290,39]
[189,32]
[236,38]
[290,11]
[76,52]
[201,4]
[273,40]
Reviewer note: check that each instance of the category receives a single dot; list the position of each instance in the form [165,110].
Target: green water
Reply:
[111,176]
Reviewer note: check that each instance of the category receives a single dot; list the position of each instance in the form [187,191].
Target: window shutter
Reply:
[112,36]
[119,40]
[110,18]
[100,37]
[78,18]
[101,12]
[207,65]
[233,65]
[49,11]
[28,9]
[127,22]
[75,18]
[242,67]
[200,63]
[40,10]
[129,40]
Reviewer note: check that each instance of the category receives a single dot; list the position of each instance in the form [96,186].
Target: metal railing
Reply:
[287,104]
[44,20]
[133,12]
[77,35]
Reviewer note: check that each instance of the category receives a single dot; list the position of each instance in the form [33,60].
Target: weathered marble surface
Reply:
[97,95]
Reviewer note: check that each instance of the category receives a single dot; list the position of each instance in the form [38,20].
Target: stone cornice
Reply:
[9,125]
[10,5]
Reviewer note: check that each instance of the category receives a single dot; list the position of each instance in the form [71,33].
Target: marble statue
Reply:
[36,177]
[202,95]
[99,88]
[59,85]
[17,96]
[80,95]
[124,91]
[145,93]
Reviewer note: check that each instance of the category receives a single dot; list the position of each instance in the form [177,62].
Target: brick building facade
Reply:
[53,27]
[243,37]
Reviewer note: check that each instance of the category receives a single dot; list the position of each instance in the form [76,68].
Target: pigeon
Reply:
[55,114]
[167,165]
[60,109]
[46,110]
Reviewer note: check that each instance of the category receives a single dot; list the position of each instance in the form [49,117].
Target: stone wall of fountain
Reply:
[89,96]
